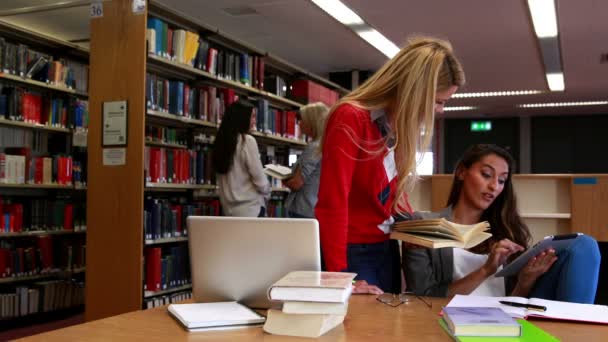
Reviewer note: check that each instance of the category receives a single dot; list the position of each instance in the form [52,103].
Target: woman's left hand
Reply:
[362,287]
[536,267]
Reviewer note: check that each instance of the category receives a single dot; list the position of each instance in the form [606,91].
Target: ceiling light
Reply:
[497,93]
[544,17]
[340,12]
[379,41]
[451,109]
[556,81]
[563,104]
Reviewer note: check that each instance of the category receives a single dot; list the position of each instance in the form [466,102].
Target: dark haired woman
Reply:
[482,191]
[243,186]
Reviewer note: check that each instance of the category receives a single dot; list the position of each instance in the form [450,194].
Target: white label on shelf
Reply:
[79,138]
[139,6]
[96,10]
[114,156]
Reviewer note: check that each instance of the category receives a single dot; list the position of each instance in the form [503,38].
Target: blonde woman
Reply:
[304,184]
[369,159]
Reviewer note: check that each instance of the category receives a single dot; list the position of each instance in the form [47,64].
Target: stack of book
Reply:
[313,303]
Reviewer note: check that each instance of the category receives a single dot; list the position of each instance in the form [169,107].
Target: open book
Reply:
[554,309]
[440,233]
[278,171]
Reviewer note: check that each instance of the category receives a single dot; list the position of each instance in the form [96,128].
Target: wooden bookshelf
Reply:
[115,242]
[21,124]
[148,294]
[151,242]
[30,82]
[165,144]
[38,186]
[40,233]
[45,275]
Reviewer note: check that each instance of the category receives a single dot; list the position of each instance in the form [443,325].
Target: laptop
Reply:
[238,258]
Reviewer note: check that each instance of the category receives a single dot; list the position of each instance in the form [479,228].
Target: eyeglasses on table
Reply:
[394,300]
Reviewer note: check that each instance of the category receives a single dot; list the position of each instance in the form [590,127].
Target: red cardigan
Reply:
[357,187]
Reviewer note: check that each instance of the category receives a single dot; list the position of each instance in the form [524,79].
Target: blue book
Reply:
[480,321]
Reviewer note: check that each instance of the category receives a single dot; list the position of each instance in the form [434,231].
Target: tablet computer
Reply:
[557,242]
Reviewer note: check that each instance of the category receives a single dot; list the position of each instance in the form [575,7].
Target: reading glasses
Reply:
[394,300]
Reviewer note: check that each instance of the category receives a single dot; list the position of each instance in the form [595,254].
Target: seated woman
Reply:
[482,190]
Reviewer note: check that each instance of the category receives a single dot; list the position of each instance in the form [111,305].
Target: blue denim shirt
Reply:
[303,201]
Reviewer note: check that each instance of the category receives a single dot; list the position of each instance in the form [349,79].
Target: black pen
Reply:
[526,306]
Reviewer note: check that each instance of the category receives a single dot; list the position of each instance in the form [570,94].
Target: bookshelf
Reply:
[43,222]
[118,274]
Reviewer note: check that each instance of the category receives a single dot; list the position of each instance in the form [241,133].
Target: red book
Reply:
[153,258]
[45,246]
[170,42]
[202,103]
[278,118]
[38,170]
[60,170]
[154,166]
[16,210]
[178,213]
[5,263]
[68,217]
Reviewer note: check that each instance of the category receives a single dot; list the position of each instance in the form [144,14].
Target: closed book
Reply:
[480,321]
[220,315]
[529,333]
[440,233]
[280,323]
[318,308]
[313,286]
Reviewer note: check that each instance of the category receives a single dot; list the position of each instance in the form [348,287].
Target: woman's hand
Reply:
[362,287]
[499,253]
[536,267]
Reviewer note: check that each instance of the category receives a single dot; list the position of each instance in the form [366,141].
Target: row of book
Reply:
[205,103]
[17,166]
[24,105]
[276,208]
[39,255]
[277,122]
[166,267]
[164,218]
[157,301]
[178,166]
[43,296]
[166,135]
[189,48]
[19,59]
[20,214]
[35,140]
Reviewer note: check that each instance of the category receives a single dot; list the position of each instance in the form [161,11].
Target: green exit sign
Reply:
[481,126]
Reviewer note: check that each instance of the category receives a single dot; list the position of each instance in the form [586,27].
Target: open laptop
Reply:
[238,258]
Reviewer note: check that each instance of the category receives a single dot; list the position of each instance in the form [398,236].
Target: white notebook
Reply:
[221,315]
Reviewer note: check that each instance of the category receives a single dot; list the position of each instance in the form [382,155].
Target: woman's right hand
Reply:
[499,253]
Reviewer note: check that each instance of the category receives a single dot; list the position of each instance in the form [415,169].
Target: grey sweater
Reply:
[428,272]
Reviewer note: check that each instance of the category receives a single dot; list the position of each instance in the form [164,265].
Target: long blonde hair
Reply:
[314,116]
[406,85]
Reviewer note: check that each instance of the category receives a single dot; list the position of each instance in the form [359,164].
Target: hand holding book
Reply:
[440,233]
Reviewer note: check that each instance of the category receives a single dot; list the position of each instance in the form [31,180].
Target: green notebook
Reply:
[529,333]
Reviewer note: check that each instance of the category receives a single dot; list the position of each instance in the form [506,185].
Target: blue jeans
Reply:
[376,263]
[574,275]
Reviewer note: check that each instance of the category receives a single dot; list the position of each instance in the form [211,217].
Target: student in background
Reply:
[304,184]
[243,186]
[482,191]
[369,159]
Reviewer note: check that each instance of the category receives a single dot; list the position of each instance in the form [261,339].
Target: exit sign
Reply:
[481,126]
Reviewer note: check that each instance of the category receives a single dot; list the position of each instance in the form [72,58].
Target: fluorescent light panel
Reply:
[497,93]
[346,16]
[451,109]
[544,17]
[563,104]
[339,11]
[556,81]
[379,41]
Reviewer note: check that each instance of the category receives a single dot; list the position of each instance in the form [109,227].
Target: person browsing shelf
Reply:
[243,186]
[304,184]
[369,159]
[482,190]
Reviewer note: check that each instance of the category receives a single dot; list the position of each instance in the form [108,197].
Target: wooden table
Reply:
[367,320]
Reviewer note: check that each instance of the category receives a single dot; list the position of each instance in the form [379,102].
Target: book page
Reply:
[340,280]
[570,311]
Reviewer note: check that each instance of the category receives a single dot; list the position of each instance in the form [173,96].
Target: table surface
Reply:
[367,320]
